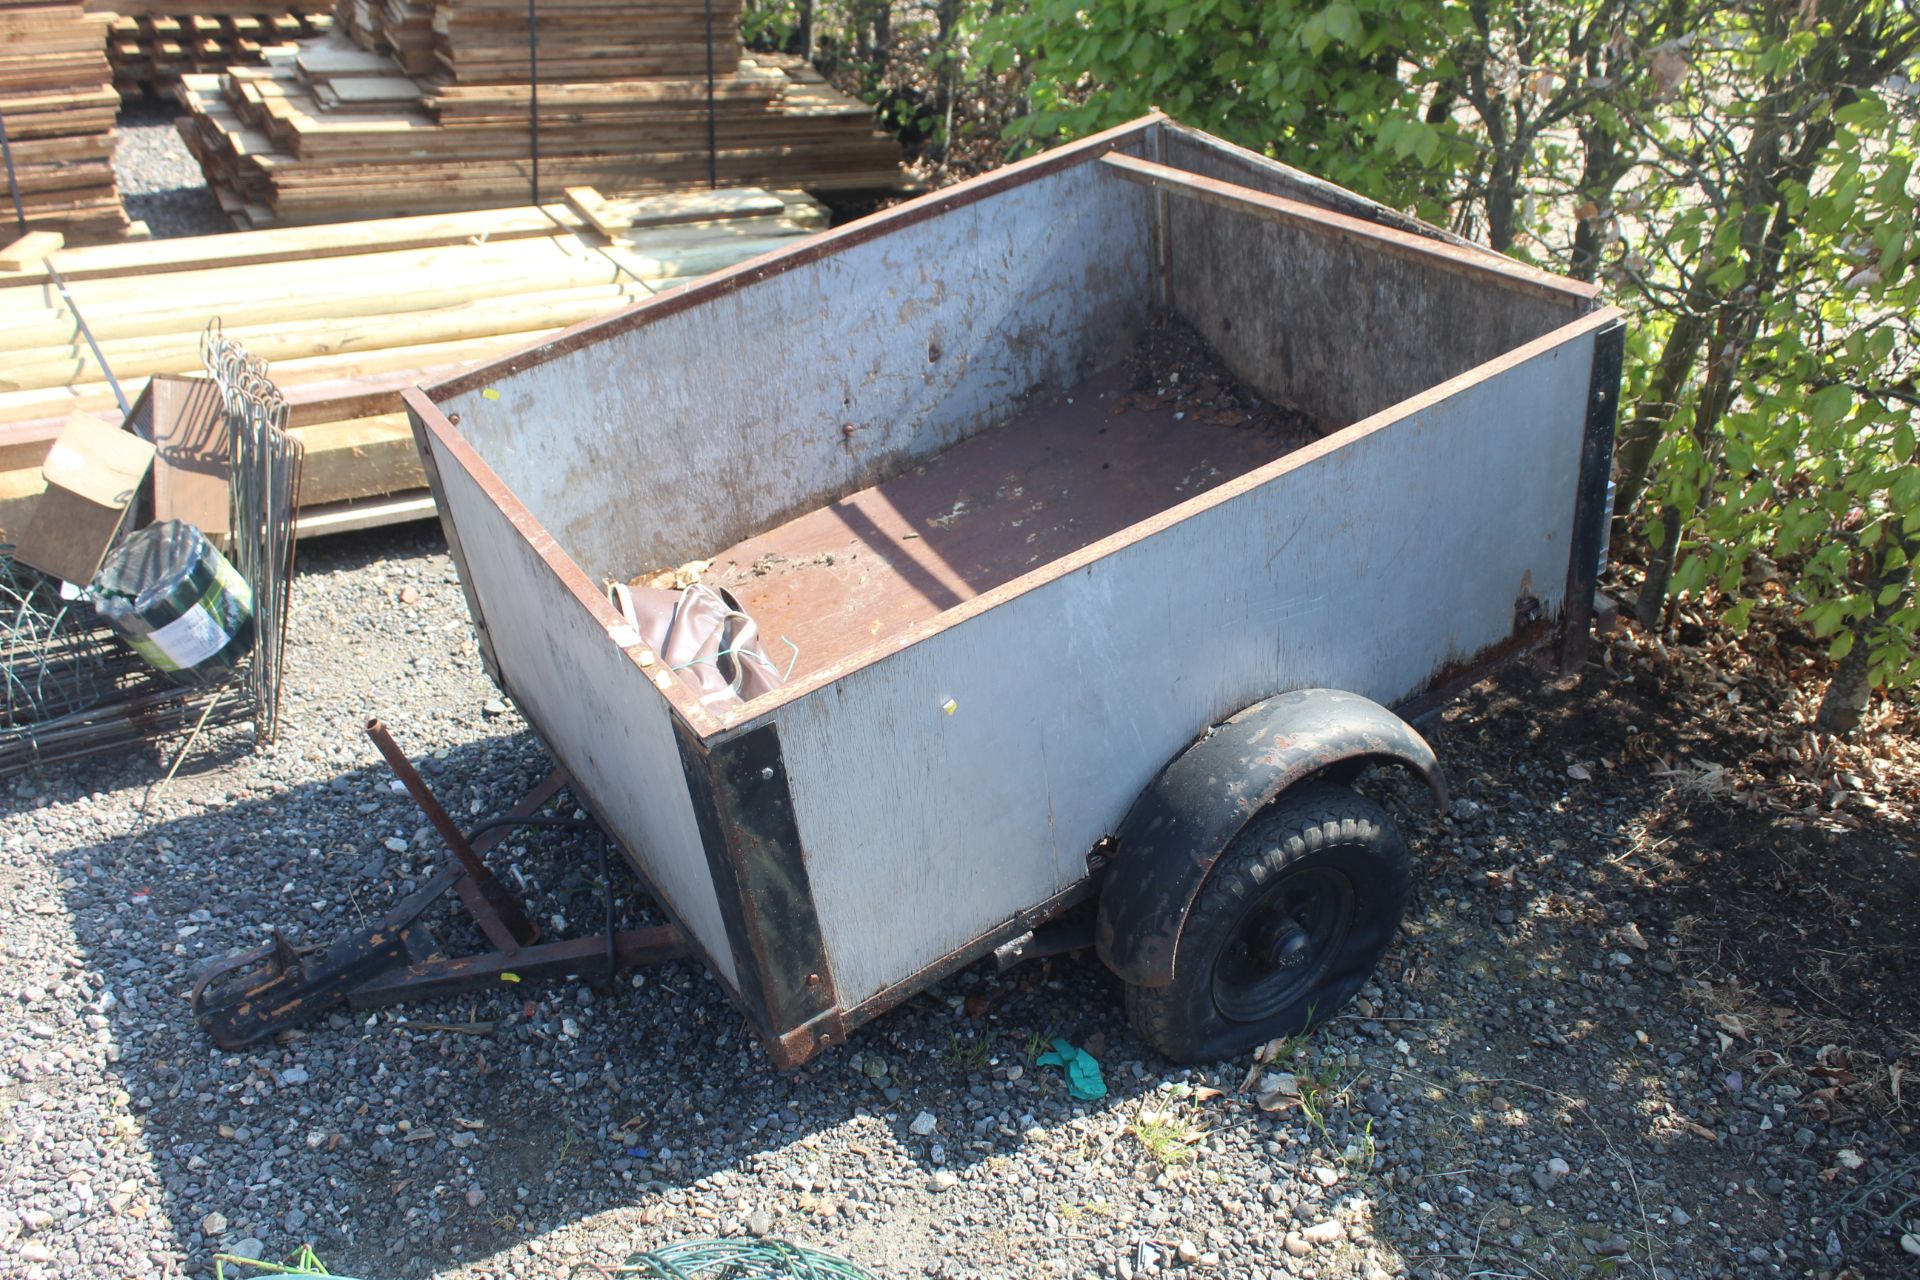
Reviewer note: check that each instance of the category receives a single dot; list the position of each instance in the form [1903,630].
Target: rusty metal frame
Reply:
[744,810]
[246,997]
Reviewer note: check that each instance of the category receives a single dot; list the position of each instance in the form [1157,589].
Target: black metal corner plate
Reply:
[1590,514]
[745,812]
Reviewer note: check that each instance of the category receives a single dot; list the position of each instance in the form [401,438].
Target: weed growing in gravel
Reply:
[1361,1154]
[1316,1078]
[1037,1044]
[963,1054]
[1168,1136]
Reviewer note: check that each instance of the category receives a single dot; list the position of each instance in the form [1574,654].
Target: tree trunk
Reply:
[1633,452]
[1605,167]
[1503,199]
[1845,702]
[946,75]
[1650,607]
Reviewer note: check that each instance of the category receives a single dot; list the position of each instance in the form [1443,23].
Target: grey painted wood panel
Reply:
[658,444]
[594,706]
[1364,563]
[1330,326]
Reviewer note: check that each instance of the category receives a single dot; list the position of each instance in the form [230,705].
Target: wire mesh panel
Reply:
[71,687]
[265,489]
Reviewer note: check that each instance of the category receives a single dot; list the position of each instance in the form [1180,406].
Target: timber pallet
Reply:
[487,41]
[151,48]
[350,315]
[326,130]
[58,100]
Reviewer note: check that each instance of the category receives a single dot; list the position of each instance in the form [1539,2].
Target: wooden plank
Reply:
[363,89]
[589,204]
[296,244]
[364,513]
[50,367]
[614,216]
[353,368]
[31,250]
[357,459]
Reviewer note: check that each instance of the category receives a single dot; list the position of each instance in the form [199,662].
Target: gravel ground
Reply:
[160,183]
[1549,1079]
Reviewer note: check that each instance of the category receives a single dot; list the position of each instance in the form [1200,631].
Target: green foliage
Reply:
[1790,259]
[1740,173]
[1316,86]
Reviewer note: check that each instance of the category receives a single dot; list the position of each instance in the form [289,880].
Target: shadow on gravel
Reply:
[1630,1013]
[451,1128]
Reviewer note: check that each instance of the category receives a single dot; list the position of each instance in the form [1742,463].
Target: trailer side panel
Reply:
[944,788]
[597,712]
[667,439]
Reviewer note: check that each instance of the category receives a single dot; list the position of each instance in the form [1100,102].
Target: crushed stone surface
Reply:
[160,182]
[1549,1077]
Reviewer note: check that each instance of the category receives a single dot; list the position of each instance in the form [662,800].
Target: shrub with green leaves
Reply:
[1315,86]
[1743,173]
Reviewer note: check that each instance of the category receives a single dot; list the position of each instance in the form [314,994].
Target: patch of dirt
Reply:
[1172,367]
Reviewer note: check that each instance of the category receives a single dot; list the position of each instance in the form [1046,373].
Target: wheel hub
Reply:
[1283,944]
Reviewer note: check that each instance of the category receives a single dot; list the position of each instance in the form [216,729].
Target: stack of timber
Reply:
[59,104]
[334,131]
[486,41]
[152,43]
[349,316]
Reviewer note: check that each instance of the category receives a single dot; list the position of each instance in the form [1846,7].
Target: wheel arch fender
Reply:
[1182,823]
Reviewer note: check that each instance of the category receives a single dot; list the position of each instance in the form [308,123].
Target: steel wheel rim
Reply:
[1283,943]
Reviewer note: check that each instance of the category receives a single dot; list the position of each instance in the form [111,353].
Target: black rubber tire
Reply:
[1334,835]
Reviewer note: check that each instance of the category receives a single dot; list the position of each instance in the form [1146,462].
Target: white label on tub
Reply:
[191,638]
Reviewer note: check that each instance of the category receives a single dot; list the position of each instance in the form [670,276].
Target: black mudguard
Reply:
[1181,824]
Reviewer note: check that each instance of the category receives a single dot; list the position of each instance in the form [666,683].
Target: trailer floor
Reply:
[1050,480]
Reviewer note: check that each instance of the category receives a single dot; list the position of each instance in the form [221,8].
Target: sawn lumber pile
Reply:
[487,42]
[152,43]
[335,131]
[59,105]
[350,315]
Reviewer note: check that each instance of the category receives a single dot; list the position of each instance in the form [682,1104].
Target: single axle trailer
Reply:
[1107,515]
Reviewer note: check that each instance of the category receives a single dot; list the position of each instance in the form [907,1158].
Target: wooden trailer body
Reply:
[902,807]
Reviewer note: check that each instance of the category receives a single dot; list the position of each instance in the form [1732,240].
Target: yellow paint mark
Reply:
[491,394]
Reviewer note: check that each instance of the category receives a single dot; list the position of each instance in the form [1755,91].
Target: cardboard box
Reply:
[94,472]
[187,424]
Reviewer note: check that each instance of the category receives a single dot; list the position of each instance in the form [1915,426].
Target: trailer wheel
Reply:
[1286,928]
